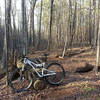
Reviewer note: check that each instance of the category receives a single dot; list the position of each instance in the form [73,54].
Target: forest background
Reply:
[46,24]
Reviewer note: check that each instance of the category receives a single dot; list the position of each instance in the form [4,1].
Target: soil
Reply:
[76,86]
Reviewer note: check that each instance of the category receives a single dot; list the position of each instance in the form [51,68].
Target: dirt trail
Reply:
[76,86]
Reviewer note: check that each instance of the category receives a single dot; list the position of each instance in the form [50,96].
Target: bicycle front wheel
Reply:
[58,77]
[20,81]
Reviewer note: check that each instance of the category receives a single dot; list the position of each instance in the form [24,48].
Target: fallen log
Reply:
[85,68]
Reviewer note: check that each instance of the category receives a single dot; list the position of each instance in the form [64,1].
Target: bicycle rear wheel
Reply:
[58,77]
[20,81]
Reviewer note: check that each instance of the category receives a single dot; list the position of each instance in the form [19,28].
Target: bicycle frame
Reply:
[34,66]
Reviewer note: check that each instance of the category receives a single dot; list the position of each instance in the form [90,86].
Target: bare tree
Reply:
[39,33]
[32,32]
[98,52]
[98,44]
[67,36]
[6,35]
[90,32]
[24,36]
[50,36]
[0,17]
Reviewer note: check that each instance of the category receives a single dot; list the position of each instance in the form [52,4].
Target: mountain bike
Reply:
[53,73]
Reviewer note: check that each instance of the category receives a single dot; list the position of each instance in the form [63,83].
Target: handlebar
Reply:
[22,57]
[45,57]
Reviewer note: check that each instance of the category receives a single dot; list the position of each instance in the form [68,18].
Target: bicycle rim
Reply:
[58,77]
[20,82]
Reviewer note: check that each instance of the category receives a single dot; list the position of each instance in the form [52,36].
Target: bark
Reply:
[90,34]
[74,23]
[67,36]
[94,24]
[24,36]
[6,35]
[0,17]
[70,21]
[32,32]
[97,53]
[98,46]
[50,34]
[40,22]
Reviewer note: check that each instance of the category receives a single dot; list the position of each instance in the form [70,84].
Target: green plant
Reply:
[87,89]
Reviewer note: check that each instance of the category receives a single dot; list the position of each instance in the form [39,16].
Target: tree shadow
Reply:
[79,77]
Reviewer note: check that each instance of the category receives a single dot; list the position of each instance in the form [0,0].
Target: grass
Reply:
[87,89]
[87,95]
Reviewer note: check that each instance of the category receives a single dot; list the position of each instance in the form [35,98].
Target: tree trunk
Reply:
[32,33]
[7,32]
[24,38]
[98,52]
[98,45]
[39,33]
[50,34]
[90,34]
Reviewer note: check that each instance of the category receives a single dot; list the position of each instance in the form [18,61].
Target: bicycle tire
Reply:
[56,79]
[19,86]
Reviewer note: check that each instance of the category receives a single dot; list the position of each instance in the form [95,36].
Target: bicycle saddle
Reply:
[46,54]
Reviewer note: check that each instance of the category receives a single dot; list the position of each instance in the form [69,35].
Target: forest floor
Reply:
[76,86]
